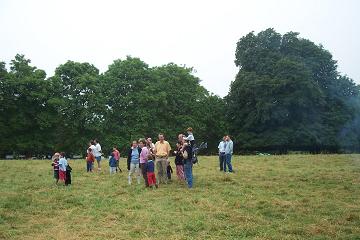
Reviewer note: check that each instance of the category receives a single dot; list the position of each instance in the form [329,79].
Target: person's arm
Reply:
[129,159]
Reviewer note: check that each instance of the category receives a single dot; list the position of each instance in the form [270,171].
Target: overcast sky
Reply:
[201,34]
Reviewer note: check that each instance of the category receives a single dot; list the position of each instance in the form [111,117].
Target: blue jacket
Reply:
[150,166]
[112,162]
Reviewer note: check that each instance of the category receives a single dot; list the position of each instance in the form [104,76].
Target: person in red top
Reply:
[90,159]
[117,157]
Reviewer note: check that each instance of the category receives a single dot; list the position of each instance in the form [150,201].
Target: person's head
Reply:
[92,142]
[189,130]
[149,140]
[142,142]
[62,154]
[224,138]
[96,141]
[228,138]
[161,137]
[134,144]
[180,137]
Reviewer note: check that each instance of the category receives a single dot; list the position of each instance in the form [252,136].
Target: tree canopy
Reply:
[287,95]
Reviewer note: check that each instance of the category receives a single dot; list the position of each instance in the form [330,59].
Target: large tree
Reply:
[288,95]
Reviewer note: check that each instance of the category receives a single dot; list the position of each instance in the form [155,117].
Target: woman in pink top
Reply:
[143,159]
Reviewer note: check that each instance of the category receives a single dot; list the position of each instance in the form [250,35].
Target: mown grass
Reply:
[268,197]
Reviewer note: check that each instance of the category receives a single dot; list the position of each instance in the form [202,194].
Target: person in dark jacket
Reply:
[68,175]
[188,164]
[133,162]
[179,161]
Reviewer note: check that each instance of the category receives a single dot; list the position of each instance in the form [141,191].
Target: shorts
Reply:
[56,174]
[98,159]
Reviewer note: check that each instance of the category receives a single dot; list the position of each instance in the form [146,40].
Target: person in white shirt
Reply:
[97,153]
[62,167]
[221,147]
[228,153]
[190,136]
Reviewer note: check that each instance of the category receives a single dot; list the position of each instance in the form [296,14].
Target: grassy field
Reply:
[268,197]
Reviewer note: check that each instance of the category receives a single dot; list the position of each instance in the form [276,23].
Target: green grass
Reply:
[268,197]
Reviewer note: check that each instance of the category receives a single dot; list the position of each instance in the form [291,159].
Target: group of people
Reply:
[226,147]
[62,169]
[144,157]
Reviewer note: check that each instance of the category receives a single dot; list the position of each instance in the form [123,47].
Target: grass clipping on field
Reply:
[268,197]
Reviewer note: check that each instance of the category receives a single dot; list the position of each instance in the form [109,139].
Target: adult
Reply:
[150,144]
[97,153]
[143,159]
[228,153]
[190,136]
[221,148]
[162,151]
[133,161]
[187,150]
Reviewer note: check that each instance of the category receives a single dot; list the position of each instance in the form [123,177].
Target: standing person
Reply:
[179,162]
[93,150]
[62,167]
[150,168]
[112,163]
[190,136]
[133,162]
[162,151]
[169,170]
[143,159]
[186,152]
[55,164]
[228,153]
[150,144]
[97,153]
[221,148]
[90,159]
[117,157]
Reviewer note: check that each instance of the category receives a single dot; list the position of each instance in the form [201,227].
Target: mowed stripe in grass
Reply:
[268,197]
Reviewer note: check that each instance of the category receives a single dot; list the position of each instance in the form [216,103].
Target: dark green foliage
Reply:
[127,102]
[288,95]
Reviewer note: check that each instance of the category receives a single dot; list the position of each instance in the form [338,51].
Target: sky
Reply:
[199,34]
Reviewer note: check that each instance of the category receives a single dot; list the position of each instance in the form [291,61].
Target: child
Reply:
[169,170]
[62,167]
[112,164]
[68,175]
[117,157]
[179,162]
[150,167]
[55,164]
[90,159]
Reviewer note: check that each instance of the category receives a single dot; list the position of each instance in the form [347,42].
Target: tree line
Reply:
[288,95]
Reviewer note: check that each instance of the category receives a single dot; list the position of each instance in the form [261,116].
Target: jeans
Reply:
[228,162]
[134,169]
[222,161]
[89,166]
[112,170]
[188,173]
[161,167]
